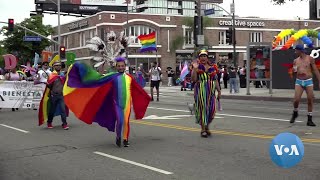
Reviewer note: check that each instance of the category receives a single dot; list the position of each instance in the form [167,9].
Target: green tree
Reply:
[178,41]
[14,44]
[280,2]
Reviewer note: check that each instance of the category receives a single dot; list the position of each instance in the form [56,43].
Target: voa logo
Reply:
[293,150]
[286,150]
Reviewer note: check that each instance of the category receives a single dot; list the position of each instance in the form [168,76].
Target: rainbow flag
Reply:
[148,42]
[103,99]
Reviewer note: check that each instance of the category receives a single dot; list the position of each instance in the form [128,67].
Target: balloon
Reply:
[10,61]
[70,58]
[55,59]
[281,35]
[306,40]
[303,34]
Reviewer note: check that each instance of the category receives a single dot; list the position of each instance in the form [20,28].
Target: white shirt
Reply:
[44,75]
[155,73]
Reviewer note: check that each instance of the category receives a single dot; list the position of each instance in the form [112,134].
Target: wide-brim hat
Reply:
[203,52]
[57,63]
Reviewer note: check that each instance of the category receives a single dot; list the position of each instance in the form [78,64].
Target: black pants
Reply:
[57,102]
[225,81]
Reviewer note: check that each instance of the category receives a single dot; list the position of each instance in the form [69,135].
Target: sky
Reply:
[243,8]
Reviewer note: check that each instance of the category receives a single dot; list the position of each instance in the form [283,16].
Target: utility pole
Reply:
[59,28]
[199,18]
[234,57]
[198,29]
[127,35]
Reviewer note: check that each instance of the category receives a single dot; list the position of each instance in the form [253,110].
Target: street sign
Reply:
[32,38]
[208,12]
[200,39]
[232,8]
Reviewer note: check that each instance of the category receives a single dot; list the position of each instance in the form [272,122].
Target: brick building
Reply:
[168,28]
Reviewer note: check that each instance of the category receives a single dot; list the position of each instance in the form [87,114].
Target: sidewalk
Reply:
[258,94]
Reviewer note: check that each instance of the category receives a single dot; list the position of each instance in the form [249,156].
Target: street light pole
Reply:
[59,28]
[127,51]
[199,18]
[234,35]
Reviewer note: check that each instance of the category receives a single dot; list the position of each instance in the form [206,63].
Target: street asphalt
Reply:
[164,145]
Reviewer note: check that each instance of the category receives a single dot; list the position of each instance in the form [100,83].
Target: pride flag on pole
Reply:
[148,42]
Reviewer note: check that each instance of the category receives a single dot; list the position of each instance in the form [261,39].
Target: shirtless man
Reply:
[303,67]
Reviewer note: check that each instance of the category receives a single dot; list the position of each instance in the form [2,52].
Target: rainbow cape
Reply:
[148,42]
[45,101]
[95,98]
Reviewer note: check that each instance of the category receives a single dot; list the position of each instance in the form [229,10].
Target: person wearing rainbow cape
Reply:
[107,99]
[52,103]
[204,74]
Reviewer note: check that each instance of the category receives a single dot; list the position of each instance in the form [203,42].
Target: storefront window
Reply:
[136,31]
[188,37]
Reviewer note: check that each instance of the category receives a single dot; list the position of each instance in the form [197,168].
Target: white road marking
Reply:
[159,118]
[231,115]
[176,110]
[258,107]
[134,163]
[17,129]
[171,117]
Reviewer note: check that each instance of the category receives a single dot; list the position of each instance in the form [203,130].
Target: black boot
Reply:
[126,143]
[294,116]
[310,122]
[118,142]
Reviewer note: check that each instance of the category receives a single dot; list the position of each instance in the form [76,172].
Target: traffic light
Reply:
[62,52]
[10,25]
[229,34]
[196,8]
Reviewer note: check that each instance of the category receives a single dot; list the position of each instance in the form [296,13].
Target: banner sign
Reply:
[259,62]
[20,94]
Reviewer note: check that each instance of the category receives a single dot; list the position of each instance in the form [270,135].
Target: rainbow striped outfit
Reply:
[204,95]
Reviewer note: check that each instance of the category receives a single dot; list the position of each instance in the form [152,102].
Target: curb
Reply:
[261,98]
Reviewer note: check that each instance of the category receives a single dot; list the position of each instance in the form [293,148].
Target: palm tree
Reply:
[178,41]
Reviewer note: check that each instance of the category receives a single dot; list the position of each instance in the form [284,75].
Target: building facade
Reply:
[168,29]
[176,7]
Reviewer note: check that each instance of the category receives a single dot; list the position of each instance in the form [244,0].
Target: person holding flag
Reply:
[107,100]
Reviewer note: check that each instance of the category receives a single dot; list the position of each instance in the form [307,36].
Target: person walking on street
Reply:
[205,76]
[112,98]
[54,91]
[303,67]
[155,73]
